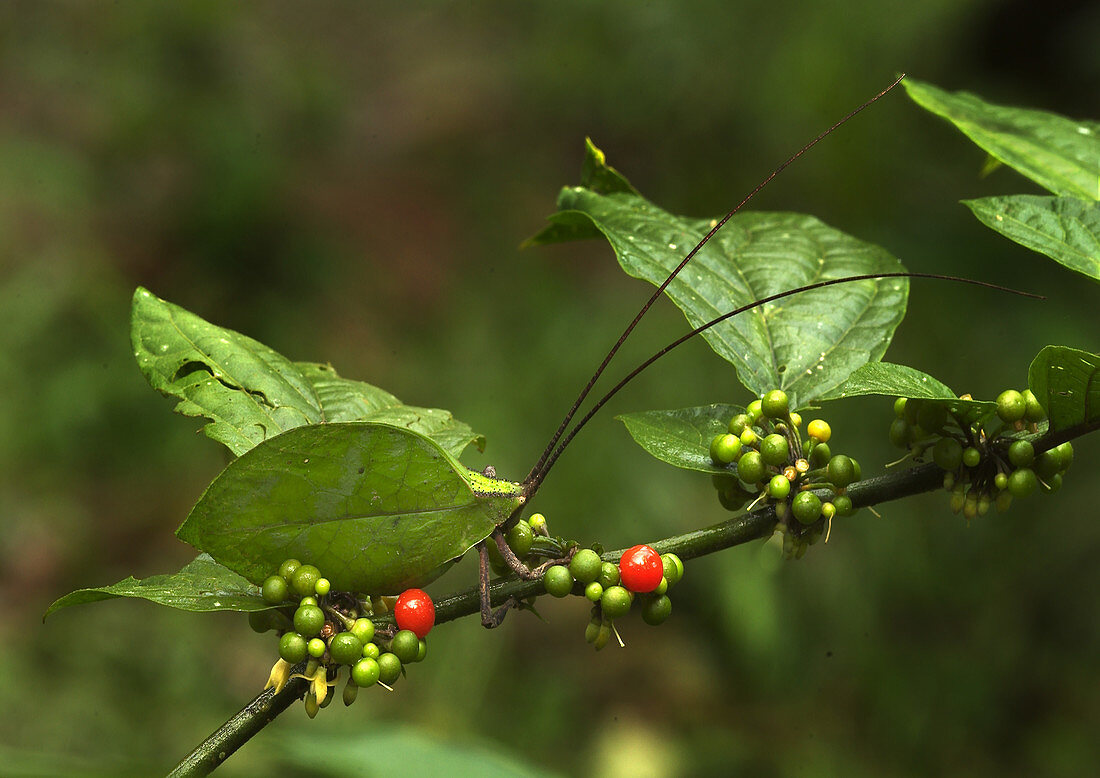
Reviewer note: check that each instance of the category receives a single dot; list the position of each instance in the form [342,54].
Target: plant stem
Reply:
[733,532]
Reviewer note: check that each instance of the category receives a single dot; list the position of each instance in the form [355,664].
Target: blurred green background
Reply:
[350,182]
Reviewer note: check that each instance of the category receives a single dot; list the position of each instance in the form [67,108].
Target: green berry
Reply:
[593,591]
[775,404]
[900,432]
[749,438]
[260,621]
[843,505]
[520,539]
[755,410]
[316,648]
[806,507]
[371,650]
[307,601]
[292,647]
[287,568]
[724,449]
[820,455]
[674,568]
[405,646]
[609,574]
[779,487]
[1000,481]
[1065,454]
[615,602]
[1021,453]
[1034,411]
[656,610]
[1022,482]
[351,691]
[947,454]
[912,410]
[304,580]
[1048,463]
[364,630]
[558,581]
[537,523]
[750,467]
[738,424]
[828,510]
[1011,406]
[774,450]
[421,650]
[972,457]
[389,668]
[274,589]
[365,672]
[1004,501]
[322,587]
[346,649]
[840,471]
[585,565]
[899,407]
[308,620]
[931,417]
[1052,484]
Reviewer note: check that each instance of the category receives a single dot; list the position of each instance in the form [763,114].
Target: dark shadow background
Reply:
[350,183]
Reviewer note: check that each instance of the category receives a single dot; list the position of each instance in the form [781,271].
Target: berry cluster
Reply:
[766,459]
[641,575]
[328,630]
[986,460]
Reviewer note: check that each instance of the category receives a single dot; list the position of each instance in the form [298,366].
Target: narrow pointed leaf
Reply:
[247,391]
[377,508]
[1066,229]
[1066,382]
[202,585]
[807,344]
[892,380]
[1062,155]
[681,437]
[342,399]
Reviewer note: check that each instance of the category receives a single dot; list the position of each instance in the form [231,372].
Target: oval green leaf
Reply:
[893,380]
[1066,229]
[1061,155]
[1067,383]
[377,508]
[681,437]
[201,586]
[807,344]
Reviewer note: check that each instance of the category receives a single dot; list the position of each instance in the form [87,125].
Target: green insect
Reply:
[339,473]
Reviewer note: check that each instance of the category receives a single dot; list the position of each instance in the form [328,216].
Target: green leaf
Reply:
[807,344]
[892,380]
[248,391]
[1067,383]
[1060,154]
[202,585]
[342,399]
[1066,229]
[377,508]
[681,437]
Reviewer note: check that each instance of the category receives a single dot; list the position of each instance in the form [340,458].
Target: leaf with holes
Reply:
[1067,383]
[807,344]
[201,586]
[1061,155]
[377,508]
[250,392]
[1066,229]
[681,437]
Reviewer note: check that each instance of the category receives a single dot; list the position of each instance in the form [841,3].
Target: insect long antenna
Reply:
[538,471]
[534,483]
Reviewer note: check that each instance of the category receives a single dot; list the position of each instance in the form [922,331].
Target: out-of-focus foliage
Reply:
[349,184]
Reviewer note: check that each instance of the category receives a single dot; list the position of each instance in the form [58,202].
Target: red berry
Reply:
[415,611]
[641,569]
